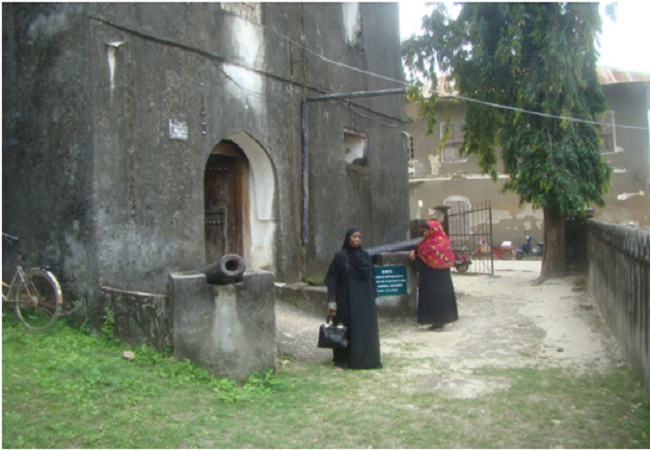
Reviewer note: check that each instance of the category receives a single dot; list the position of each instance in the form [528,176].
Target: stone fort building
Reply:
[141,139]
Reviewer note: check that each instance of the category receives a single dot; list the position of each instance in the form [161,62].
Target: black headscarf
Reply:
[360,266]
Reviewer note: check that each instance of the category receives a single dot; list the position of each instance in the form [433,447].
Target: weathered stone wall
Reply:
[96,184]
[140,318]
[619,279]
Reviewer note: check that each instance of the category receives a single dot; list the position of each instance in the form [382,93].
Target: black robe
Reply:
[351,284]
[436,296]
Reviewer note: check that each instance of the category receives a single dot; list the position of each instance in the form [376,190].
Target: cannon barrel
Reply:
[229,269]
[394,247]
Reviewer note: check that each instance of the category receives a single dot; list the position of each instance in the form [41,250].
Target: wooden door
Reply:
[225,201]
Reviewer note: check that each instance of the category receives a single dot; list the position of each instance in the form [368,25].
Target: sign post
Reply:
[391,280]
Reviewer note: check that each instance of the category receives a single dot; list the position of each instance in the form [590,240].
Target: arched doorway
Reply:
[226,182]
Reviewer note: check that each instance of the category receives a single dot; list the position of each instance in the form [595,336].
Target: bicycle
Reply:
[35,292]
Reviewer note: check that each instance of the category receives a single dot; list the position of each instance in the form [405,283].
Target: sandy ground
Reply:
[505,322]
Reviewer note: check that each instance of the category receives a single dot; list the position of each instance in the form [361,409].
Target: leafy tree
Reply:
[531,67]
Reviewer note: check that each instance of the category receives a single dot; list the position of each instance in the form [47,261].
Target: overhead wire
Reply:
[404,83]
[373,74]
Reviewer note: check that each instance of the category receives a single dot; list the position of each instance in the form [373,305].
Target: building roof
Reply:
[606,76]
[610,75]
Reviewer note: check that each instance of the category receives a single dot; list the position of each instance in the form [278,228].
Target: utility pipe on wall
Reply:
[305,153]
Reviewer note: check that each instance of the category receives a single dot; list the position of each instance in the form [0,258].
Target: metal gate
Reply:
[470,233]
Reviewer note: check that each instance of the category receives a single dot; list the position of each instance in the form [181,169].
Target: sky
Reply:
[623,45]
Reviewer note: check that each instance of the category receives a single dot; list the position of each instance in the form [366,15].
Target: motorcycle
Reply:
[503,251]
[528,250]
[462,260]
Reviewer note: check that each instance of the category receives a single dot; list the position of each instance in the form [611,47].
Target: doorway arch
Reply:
[247,171]
[226,200]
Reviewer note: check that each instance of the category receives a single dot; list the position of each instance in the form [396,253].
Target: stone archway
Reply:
[256,201]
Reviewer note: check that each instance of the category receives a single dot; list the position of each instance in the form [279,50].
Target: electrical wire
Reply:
[404,83]
[551,116]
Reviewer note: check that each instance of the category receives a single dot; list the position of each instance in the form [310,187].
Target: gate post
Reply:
[444,210]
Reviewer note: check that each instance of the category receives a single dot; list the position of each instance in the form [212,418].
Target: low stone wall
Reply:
[229,329]
[139,317]
[618,260]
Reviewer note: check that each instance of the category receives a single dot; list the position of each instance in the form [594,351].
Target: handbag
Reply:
[331,336]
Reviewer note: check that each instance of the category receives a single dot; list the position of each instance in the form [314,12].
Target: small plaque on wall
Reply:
[178,130]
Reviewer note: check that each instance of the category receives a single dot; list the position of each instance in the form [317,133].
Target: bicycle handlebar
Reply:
[9,237]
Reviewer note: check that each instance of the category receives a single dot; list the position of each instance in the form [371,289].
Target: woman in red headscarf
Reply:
[433,260]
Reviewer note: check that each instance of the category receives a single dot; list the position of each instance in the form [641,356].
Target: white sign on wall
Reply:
[178,129]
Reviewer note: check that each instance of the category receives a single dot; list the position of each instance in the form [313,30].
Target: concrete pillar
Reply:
[444,211]
[228,329]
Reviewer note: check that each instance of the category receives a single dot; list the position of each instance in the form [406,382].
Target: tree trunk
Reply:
[554,260]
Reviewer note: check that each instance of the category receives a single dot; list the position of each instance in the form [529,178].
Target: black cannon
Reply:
[229,269]
[401,246]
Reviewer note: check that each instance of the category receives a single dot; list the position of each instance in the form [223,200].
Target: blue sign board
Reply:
[391,280]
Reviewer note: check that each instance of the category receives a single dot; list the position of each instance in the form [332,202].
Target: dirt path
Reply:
[505,322]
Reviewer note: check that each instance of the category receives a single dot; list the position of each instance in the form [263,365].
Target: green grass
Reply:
[64,388]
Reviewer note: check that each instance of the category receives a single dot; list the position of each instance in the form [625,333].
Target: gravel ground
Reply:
[297,333]
[505,321]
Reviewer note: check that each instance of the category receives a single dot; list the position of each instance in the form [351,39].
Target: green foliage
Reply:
[538,61]
[83,382]
[108,327]
[66,389]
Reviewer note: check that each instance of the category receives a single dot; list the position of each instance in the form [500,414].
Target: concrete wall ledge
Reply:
[140,317]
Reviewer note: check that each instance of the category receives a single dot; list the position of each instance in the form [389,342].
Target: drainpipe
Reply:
[305,154]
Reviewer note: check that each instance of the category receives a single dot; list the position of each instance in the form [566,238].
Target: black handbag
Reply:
[331,336]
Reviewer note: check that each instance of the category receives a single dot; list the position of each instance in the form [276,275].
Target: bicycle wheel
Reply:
[38,301]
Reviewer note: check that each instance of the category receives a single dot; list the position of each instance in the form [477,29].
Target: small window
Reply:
[355,146]
[608,133]
[246,10]
[411,150]
[451,150]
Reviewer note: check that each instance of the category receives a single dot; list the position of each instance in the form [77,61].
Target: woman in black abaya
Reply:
[352,293]
[434,259]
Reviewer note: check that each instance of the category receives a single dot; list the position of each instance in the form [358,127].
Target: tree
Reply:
[529,70]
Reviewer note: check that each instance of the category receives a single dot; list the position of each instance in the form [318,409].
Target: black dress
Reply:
[436,296]
[351,284]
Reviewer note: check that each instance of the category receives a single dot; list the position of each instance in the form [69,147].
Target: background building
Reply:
[447,178]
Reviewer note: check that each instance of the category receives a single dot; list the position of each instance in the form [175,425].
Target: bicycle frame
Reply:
[9,296]
[35,294]
[20,273]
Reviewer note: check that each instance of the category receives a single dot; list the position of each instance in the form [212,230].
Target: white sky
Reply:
[623,45]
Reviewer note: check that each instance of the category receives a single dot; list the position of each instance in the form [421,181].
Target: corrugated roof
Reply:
[609,75]
[606,75]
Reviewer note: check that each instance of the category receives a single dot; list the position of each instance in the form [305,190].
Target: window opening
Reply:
[355,145]
[608,133]
[454,134]
[246,10]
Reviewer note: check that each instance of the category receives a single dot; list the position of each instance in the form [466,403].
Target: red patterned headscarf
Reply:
[435,249]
